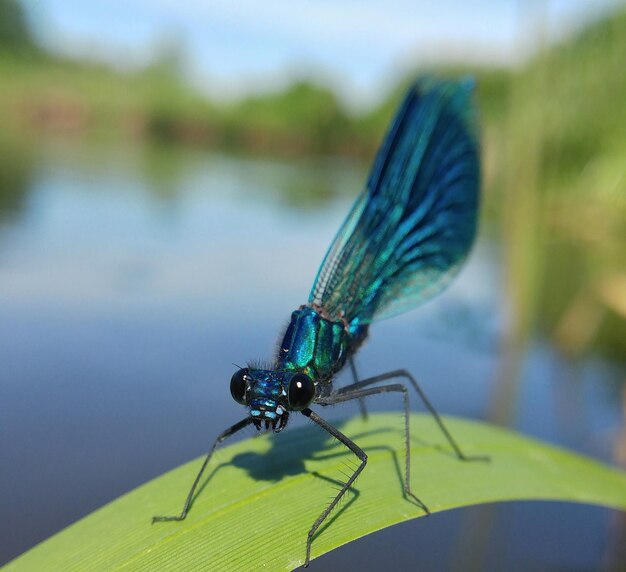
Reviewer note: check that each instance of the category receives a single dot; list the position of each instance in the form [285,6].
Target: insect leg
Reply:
[222,437]
[405,374]
[353,392]
[355,380]
[347,394]
[356,450]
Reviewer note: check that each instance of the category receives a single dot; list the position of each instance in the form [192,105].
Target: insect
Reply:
[403,241]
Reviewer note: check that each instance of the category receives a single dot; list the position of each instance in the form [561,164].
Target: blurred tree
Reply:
[304,118]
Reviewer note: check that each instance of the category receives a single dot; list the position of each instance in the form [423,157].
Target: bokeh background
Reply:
[171,174]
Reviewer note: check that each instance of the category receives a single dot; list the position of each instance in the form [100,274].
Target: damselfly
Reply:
[403,241]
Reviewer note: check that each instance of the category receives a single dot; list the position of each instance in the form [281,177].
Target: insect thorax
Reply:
[315,345]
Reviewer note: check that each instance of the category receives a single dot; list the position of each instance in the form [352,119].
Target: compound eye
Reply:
[238,385]
[301,392]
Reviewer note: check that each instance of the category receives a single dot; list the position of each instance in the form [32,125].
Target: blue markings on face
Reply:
[267,393]
[267,384]
[263,403]
[267,411]
[266,397]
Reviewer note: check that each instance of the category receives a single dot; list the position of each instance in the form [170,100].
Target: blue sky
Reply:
[359,47]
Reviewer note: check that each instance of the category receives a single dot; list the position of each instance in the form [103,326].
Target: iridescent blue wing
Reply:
[409,231]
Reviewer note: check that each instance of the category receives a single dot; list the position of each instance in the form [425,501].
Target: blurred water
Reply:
[131,280]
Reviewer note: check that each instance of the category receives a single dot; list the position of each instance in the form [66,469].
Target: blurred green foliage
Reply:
[15,33]
[581,110]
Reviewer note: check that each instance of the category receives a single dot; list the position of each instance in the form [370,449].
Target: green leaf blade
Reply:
[262,495]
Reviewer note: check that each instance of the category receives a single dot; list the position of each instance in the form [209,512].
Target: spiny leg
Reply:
[222,437]
[355,380]
[356,450]
[404,373]
[354,392]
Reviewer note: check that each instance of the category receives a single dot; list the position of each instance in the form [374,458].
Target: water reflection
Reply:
[16,175]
